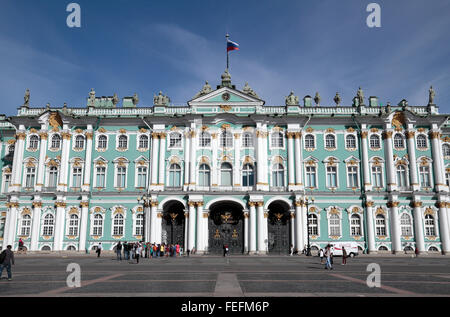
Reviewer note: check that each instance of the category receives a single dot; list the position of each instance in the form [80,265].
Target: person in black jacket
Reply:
[8,259]
[119,251]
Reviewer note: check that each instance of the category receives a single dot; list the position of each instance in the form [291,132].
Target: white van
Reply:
[350,247]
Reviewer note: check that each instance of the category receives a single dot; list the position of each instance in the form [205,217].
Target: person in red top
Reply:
[178,249]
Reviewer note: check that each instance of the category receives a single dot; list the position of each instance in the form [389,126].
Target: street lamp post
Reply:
[307,202]
[145,200]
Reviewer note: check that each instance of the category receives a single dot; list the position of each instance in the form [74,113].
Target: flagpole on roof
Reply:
[227,36]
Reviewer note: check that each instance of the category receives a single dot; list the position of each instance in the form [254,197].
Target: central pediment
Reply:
[226,96]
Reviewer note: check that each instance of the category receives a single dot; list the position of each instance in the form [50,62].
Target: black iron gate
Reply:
[226,228]
[173,228]
[279,233]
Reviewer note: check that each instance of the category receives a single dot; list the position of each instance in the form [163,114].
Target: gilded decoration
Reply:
[374,130]
[55,120]
[237,135]
[334,211]
[310,163]
[47,237]
[382,237]
[11,141]
[79,131]
[417,204]
[174,160]
[102,130]
[401,162]
[266,215]
[398,119]
[84,204]
[225,107]
[154,203]
[424,161]
[225,126]
[335,237]
[356,210]
[429,211]
[278,159]
[330,130]
[350,130]
[141,162]
[21,135]
[33,130]
[434,135]
[143,130]
[261,134]
[369,203]
[123,131]
[441,204]
[214,135]
[43,135]
[248,160]
[60,204]
[380,211]
[314,237]
[387,134]
[204,159]
[309,129]
[433,238]
[96,237]
[421,130]
[364,134]
[73,211]
[117,236]
[66,135]
[30,164]
[37,204]
[410,134]
[159,215]
[89,135]
[393,204]
[26,211]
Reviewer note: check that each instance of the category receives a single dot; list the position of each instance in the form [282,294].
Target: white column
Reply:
[305,225]
[158,225]
[291,159]
[200,228]
[246,233]
[84,224]
[298,161]
[293,241]
[187,146]
[412,158]
[237,180]
[265,162]
[36,225]
[153,216]
[443,227]
[252,228]
[62,184]
[370,227]
[262,182]
[392,184]
[191,231]
[59,225]
[418,226]
[88,162]
[16,174]
[262,224]
[154,159]
[215,146]
[186,231]
[41,165]
[437,162]
[11,224]
[365,159]
[395,227]
[193,153]
[147,224]
[299,229]
[162,162]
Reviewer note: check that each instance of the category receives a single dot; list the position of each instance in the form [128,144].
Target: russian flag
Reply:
[232,46]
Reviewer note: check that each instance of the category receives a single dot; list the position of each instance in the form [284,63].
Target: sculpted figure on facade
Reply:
[431,95]
[317,99]
[161,100]
[292,100]
[26,98]
[205,90]
[337,99]
[115,99]
[91,97]
[247,90]
[360,96]
[135,99]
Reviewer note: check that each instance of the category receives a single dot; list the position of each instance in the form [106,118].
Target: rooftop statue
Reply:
[317,99]
[161,100]
[205,90]
[337,99]
[115,99]
[431,95]
[26,98]
[91,97]
[135,99]
[226,79]
[292,100]
[360,96]
[247,90]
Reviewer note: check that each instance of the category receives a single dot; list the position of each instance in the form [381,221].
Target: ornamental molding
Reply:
[393,204]
[380,211]
[97,210]
[37,204]
[26,211]
[417,204]
[73,211]
[429,211]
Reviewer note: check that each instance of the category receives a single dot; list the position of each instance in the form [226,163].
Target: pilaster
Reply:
[36,224]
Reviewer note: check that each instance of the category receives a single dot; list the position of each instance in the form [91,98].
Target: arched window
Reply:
[73,225]
[139,231]
[248,175]
[277,139]
[204,176]
[34,142]
[445,149]
[433,249]
[380,225]
[313,225]
[247,140]
[79,142]
[47,229]
[102,142]
[53,177]
[335,225]
[175,140]
[402,180]
[143,142]
[309,141]
[350,141]
[399,142]
[374,141]
[278,175]
[123,142]
[429,226]
[97,225]
[26,225]
[421,141]
[226,139]
[226,174]
[330,141]
[205,139]
[406,225]
[118,225]
[56,141]
[174,175]
[355,225]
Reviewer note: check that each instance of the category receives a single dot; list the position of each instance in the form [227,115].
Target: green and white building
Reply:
[225,168]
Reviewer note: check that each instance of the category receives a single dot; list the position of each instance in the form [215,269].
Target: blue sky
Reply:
[144,46]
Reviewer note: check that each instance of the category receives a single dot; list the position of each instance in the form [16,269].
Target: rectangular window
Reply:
[332,176]
[377,176]
[121,177]
[142,177]
[29,181]
[101,176]
[76,180]
[311,176]
[7,182]
[352,176]
[424,176]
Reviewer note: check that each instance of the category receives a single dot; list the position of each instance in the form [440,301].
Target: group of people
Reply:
[327,255]
[136,250]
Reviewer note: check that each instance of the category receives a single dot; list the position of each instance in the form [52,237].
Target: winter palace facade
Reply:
[226,169]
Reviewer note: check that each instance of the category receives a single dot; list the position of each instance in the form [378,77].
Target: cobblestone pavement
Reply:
[236,276]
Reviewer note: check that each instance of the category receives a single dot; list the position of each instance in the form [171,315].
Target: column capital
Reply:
[13,204]
[417,204]
[84,204]
[441,204]
[435,134]
[387,134]
[43,135]
[410,134]
[369,203]
[61,204]
[37,204]
[392,204]
[21,135]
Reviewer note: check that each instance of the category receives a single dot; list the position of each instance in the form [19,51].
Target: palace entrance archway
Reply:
[279,225]
[226,227]
[173,222]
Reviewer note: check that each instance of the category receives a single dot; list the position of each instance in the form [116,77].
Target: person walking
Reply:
[328,257]
[321,256]
[99,249]
[178,249]
[21,248]
[6,259]
[126,255]
[119,251]
[344,256]
[138,252]
[291,250]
